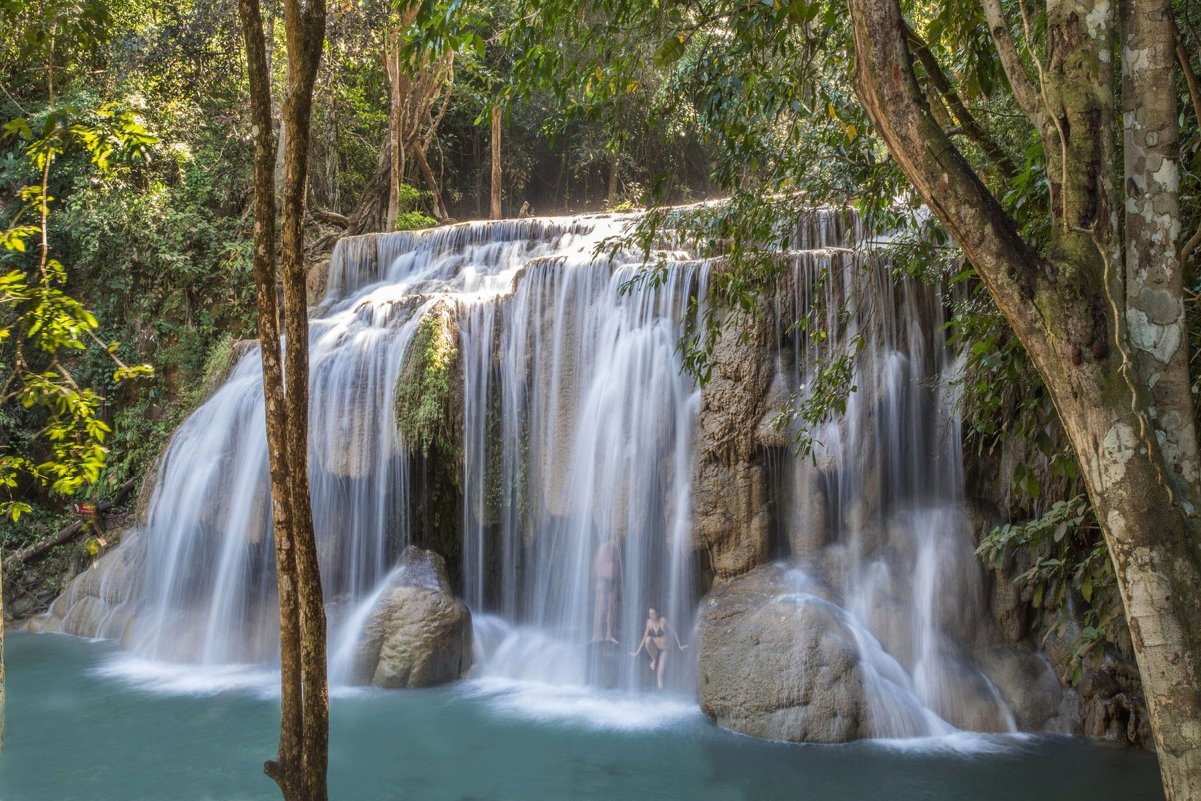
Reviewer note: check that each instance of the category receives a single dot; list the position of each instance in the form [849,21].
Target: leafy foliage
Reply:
[1071,571]
[410,218]
[42,322]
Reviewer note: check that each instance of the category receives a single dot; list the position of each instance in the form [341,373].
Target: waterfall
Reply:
[880,503]
[584,387]
[574,462]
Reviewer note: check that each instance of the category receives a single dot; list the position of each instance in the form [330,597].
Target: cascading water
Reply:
[575,431]
[584,386]
[880,503]
[576,469]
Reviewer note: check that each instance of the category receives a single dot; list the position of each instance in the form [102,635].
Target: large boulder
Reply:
[419,634]
[777,663]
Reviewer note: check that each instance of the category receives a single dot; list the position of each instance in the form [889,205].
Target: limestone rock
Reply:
[101,601]
[809,515]
[779,664]
[1112,705]
[419,634]
[316,280]
[730,517]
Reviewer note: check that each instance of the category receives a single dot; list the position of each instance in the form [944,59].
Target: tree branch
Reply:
[1024,91]
[967,123]
[887,88]
[31,552]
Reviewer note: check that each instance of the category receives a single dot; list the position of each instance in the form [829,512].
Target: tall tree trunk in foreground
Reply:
[396,173]
[495,212]
[1103,325]
[300,765]
[305,25]
[2,633]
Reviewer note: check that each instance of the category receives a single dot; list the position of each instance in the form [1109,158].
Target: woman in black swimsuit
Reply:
[654,640]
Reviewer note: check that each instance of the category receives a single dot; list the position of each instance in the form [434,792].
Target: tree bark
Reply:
[431,180]
[396,148]
[614,172]
[3,634]
[412,123]
[495,210]
[1067,312]
[1155,275]
[304,22]
[300,764]
[370,215]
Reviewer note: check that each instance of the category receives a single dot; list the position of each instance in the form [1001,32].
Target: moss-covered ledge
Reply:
[429,421]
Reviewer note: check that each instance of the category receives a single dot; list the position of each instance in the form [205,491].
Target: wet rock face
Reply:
[1111,705]
[775,664]
[730,516]
[419,634]
[1030,688]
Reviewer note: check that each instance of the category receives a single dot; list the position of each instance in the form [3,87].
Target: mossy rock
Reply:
[429,391]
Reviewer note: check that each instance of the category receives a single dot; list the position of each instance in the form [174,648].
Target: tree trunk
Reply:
[3,632]
[395,141]
[370,215]
[1154,311]
[495,212]
[304,22]
[300,765]
[427,172]
[614,170]
[1066,312]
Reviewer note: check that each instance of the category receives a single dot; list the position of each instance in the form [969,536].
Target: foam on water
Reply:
[170,678]
[583,705]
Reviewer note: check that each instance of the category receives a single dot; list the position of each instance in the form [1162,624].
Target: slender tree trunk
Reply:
[614,170]
[3,632]
[1154,273]
[280,145]
[495,212]
[397,165]
[1069,312]
[431,180]
[477,153]
[305,25]
[300,765]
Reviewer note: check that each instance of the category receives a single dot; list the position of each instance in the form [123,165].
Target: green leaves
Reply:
[43,324]
[671,50]
[1068,572]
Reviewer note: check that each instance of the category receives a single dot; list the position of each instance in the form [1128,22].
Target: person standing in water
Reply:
[606,581]
[654,640]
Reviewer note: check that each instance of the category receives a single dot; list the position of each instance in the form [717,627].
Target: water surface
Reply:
[87,724]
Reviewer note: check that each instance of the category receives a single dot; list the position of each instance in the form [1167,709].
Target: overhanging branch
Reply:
[967,122]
